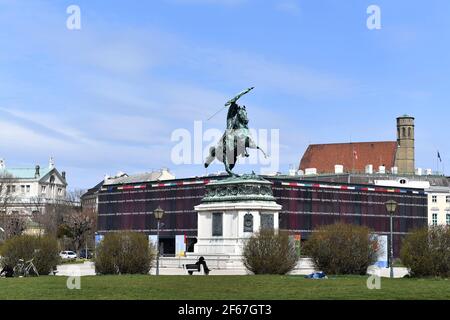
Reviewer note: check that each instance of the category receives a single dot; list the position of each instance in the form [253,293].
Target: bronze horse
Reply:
[234,143]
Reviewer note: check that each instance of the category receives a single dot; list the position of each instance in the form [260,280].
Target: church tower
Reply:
[405,159]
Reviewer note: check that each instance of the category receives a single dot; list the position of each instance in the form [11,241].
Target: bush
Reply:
[44,251]
[426,252]
[342,249]
[268,252]
[124,253]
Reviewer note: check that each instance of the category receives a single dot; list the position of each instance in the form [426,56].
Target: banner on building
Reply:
[180,245]
[153,239]
[382,260]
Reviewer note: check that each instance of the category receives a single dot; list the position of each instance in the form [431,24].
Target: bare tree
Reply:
[53,216]
[15,224]
[78,225]
[50,214]
[10,221]
[37,212]
[6,191]
[74,196]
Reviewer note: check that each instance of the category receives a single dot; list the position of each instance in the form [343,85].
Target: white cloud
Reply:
[111,103]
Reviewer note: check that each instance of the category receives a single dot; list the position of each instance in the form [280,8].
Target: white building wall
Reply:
[438,205]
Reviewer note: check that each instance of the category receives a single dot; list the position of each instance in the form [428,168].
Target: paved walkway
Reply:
[88,269]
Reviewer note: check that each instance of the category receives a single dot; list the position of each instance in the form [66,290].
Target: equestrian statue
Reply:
[236,139]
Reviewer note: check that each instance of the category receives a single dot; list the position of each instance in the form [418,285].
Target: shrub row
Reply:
[342,249]
[124,253]
[44,251]
[268,252]
[426,252]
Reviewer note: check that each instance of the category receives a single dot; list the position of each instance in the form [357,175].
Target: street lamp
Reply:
[158,216]
[391,206]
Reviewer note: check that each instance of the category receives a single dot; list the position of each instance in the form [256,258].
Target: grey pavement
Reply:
[88,269]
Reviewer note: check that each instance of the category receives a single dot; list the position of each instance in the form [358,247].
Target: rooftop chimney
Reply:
[63,175]
[338,169]
[311,171]
[37,173]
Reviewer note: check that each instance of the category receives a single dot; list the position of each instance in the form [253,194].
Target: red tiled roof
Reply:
[353,156]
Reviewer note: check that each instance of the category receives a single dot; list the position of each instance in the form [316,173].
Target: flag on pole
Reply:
[439,157]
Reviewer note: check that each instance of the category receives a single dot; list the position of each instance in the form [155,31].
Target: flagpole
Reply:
[437,166]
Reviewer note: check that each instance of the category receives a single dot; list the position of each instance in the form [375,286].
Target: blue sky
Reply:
[106,98]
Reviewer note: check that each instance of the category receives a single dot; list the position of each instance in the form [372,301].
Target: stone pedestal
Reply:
[231,211]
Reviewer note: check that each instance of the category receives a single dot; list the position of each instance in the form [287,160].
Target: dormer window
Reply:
[52,179]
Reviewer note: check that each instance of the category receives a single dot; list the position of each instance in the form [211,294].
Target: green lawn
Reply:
[221,287]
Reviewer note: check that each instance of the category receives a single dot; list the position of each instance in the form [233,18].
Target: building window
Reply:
[59,191]
[22,189]
[43,189]
[217,224]
[434,199]
[28,189]
[434,219]
[448,219]
[448,199]
[267,222]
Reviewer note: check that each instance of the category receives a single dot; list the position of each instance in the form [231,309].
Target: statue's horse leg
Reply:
[228,166]
[249,143]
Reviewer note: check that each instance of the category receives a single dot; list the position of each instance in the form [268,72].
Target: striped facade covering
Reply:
[306,206]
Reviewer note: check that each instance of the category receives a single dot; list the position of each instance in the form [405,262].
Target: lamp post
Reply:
[391,206]
[158,216]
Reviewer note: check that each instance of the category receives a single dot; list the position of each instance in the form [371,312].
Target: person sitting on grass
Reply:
[7,272]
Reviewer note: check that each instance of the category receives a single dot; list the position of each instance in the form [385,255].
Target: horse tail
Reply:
[210,158]
[265,155]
